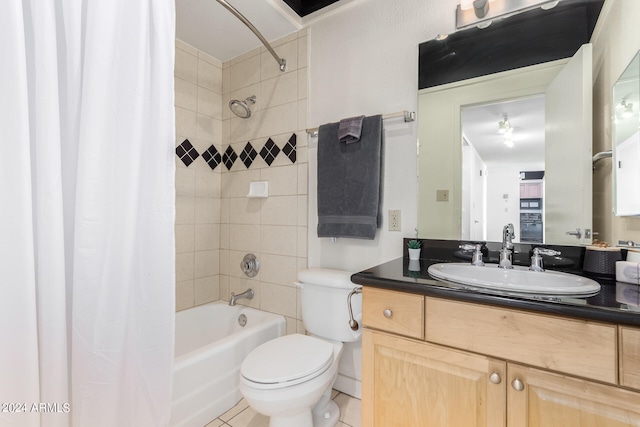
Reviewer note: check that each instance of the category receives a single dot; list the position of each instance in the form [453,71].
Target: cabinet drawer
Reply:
[396,312]
[630,357]
[578,347]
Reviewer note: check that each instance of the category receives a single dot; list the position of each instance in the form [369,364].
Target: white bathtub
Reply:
[210,347]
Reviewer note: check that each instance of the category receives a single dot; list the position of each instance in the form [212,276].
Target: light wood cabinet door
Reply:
[630,357]
[552,400]
[412,383]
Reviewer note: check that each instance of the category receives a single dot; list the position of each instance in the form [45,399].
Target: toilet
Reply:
[290,378]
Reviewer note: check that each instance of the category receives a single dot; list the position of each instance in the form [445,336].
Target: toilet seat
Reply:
[287,361]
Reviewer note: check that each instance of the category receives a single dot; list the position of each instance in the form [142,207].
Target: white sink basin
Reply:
[519,279]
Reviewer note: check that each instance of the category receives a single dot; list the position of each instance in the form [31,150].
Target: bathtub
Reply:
[210,346]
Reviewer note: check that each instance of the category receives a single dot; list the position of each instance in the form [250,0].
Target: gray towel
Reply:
[349,181]
[350,129]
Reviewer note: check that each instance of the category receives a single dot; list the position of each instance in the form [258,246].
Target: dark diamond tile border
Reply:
[248,155]
[229,157]
[186,152]
[212,157]
[289,148]
[269,152]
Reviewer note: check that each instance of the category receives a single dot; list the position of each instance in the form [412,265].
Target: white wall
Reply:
[364,60]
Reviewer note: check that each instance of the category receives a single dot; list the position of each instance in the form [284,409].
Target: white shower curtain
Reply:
[86,212]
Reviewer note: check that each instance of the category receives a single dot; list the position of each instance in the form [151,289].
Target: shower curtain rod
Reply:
[281,61]
[408,116]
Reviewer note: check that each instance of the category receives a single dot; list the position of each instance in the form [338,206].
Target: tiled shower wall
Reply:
[269,146]
[198,105]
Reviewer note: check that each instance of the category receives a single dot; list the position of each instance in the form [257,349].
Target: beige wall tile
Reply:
[207,263]
[207,183]
[303,113]
[279,119]
[280,210]
[185,181]
[186,66]
[185,209]
[224,262]
[278,269]
[184,238]
[235,258]
[184,295]
[209,75]
[186,94]
[303,89]
[283,180]
[184,266]
[245,73]
[302,155]
[303,51]
[303,178]
[281,89]
[303,211]
[302,242]
[278,299]
[243,210]
[236,184]
[205,126]
[207,237]
[224,206]
[207,210]
[224,288]
[278,239]
[186,123]
[209,103]
[206,289]
[244,237]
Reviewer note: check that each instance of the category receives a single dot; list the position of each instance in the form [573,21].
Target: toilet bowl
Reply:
[290,378]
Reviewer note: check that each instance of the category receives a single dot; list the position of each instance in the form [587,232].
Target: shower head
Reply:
[241,108]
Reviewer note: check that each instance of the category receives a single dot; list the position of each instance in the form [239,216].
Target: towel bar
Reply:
[409,116]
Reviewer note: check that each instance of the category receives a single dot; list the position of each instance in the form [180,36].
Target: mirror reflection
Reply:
[557,206]
[503,169]
[626,141]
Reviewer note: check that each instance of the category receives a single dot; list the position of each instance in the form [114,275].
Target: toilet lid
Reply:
[287,360]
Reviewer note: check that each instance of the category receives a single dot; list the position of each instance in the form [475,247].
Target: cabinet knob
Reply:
[387,313]
[517,384]
[495,378]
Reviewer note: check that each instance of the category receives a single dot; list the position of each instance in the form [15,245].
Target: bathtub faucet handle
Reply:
[248,294]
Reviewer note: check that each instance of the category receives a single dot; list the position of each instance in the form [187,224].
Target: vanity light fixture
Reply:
[627,109]
[504,126]
[480,13]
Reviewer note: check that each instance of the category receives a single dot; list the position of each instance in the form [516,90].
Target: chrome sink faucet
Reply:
[536,258]
[507,246]
[476,258]
[248,294]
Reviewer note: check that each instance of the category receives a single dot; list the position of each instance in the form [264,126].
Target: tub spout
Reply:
[248,294]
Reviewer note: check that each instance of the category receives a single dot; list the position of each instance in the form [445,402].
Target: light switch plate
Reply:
[442,195]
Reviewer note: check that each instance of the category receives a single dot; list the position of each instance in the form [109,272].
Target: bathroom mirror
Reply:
[566,86]
[626,141]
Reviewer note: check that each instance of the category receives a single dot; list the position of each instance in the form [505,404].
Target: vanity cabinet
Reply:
[412,383]
[480,365]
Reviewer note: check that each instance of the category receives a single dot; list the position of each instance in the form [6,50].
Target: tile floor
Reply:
[242,415]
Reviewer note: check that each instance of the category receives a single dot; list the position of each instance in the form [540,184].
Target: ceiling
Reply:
[209,27]
[526,116]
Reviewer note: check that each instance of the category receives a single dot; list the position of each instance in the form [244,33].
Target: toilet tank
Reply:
[323,299]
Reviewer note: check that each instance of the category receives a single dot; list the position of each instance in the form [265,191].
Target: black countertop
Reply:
[617,302]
